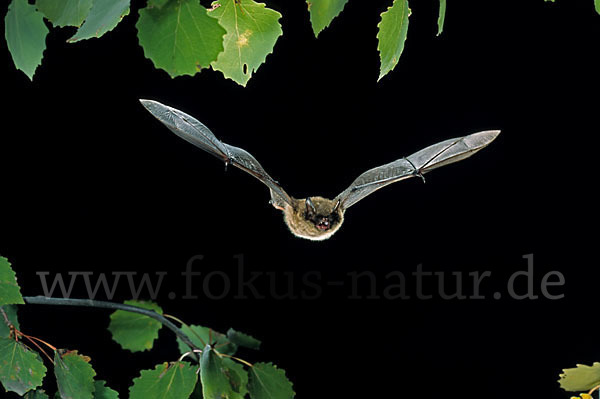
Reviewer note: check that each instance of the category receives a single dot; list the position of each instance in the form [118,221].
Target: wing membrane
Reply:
[193,131]
[417,164]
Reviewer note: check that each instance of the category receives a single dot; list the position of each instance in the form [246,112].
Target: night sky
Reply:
[92,182]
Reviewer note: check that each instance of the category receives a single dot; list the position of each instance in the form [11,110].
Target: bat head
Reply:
[323,217]
[314,218]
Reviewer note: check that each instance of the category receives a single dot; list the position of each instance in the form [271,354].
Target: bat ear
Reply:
[310,207]
[337,205]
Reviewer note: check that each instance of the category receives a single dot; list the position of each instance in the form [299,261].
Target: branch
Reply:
[90,303]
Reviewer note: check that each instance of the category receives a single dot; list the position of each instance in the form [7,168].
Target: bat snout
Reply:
[323,224]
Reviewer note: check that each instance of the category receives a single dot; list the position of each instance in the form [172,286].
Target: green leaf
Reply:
[37,394]
[266,381]
[252,30]
[580,378]
[9,289]
[74,375]
[134,331]
[25,34]
[103,17]
[392,34]
[597,6]
[174,381]
[322,12]
[157,3]
[242,339]
[21,370]
[237,375]
[11,313]
[64,12]
[215,377]
[101,391]
[441,17]
[201,336]
[180,37]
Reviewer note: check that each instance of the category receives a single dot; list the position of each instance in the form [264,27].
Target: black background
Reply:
[91,182]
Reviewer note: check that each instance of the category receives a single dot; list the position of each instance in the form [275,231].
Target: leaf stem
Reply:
[185,325]
[188,353]
[31,338]
[38,346]
[91,303]
[5,317]
[236,358]
[594,389]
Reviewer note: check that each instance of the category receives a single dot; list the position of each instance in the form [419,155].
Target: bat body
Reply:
[317,218]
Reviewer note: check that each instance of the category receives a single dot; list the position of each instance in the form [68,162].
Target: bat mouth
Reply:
[323,224]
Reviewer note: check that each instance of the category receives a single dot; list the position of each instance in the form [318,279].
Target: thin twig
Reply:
[91,303]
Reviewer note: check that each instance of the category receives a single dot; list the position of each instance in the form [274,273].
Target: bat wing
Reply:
[193,131]
[440,154]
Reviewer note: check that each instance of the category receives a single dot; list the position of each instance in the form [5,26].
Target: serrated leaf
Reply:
[134,331]
[65,12]
[441,17]
[101,391]
[237,375]
[21,370]
[9,289]
[11,313]
[580,378]
[214,376]
[241,339]
[25,34]
[322,12]
[74,375]
[252,31]
[201,336]
[104,16]
[37,394]
[392,33]
[174,381]
[180,37]
[266,381]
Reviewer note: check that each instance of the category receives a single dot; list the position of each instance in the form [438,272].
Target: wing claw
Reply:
[416,172]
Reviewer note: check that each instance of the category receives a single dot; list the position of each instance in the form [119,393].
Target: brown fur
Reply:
[300,226]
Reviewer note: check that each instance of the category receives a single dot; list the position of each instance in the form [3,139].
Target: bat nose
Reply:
[323,223]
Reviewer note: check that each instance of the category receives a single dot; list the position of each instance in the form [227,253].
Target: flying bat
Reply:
[317,218]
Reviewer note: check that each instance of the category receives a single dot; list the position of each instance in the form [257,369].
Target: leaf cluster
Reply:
[218,375]
[182,37]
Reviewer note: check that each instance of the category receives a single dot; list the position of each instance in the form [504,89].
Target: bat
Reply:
[318,218]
